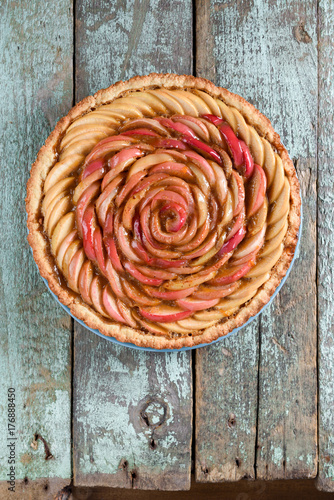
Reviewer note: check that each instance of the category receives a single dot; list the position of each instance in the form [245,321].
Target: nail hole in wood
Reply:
[46,487]
[153,444]
[26,480]
[205,470]
[232,420]
[125,464]
[237,461]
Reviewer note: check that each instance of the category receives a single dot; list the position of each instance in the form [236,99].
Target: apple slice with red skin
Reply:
[112,253]
[233,242]
[164,314]
[99,250]
[137,295]
[173,168]
[213,119]
[126,313]
[248,159]
[167,294]
[89,225]
[74,269]
[110,305]
[192,304]
[128,186]
[156,273]
[238,192]
[204,148]
[114,144]
[141,131]
[196,124]
[232,274]
[239,222]
[108,228]
[177,126]
[85,199]
[211,292]
[131,268]
[85,280]
[114,279]
[245,259]
[90,168]
[233,144]
[256,190]
[169,143]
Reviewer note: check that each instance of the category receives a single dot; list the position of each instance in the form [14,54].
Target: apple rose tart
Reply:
[164,211]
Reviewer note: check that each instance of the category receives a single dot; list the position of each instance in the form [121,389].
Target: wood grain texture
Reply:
[266,52]
[132,416]
[120,394]
[35,334]
[326,246]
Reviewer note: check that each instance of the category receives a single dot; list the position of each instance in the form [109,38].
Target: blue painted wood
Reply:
[35,336]
[116,440]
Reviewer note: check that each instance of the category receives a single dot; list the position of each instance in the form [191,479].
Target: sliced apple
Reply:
[213,119]
[192,304]
[99,250]
[204,148]
[86,198]
[112,253]
[238,192]
[85,281]
[90,168]
[233,144]
[89,225]
[147,123]
[164,314]
[231,274]
[167,294]
[110,305]
[74,269]
[131,268]
[114,279]
[141,131]
[211,292]
[137,295]
[248,160]
[233,242]
[256,190]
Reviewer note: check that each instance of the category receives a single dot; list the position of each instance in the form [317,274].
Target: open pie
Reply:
[163,211]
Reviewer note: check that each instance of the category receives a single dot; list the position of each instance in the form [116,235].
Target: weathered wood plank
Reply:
[326,246]
[117,439]
[35,334]
[263,52]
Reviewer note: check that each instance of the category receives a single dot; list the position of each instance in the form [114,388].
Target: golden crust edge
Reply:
[46,158]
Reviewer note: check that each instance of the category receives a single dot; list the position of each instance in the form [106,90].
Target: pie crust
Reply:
[267,151]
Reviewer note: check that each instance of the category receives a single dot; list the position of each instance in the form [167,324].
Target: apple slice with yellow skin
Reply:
[212,315]
[149,123]
[85,280]
[243,260]
[258,220]
[64,246]
[74,269]
[250,244]
[89,225]
[192,304]
[137,295]
[228,305]
[167,294]
[110,305]
[163,313]
[256,190]
[62,207]
[86,198]
[69,254]
[62,229]
[86,183]
[264,264]
[195,324]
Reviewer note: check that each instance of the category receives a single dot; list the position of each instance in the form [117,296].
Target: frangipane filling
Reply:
[166,210]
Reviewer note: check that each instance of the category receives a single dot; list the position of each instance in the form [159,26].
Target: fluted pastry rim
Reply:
[40,245]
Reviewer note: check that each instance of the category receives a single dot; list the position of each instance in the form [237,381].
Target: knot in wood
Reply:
[154,413]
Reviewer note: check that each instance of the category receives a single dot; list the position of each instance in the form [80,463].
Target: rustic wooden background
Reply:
[259,405]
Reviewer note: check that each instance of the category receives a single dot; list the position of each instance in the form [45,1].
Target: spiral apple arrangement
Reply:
[166,210]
